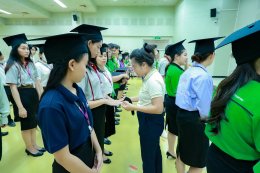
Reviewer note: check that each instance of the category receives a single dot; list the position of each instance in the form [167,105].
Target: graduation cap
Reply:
[130,101]
[204,46]
[116,73]
[123,69]
[245,43]
[62,47]
[172,49]
[92,32]
[103,48]
[15,39]
[40,46]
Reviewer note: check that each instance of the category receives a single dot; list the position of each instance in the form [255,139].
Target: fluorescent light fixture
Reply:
[60,3]
[3,11]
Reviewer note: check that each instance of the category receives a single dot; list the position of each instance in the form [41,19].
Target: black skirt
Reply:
[84,152]
[30,100]
[218,161]
[193,144]
[99,123]
[171,113]
[110,128]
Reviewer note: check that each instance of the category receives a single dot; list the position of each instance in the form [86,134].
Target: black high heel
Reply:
[107,161]
[32,154]
[42,150]
[108,153]
[170,155]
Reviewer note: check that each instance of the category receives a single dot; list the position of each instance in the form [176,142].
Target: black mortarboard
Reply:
[130,101]
[15,39]
[92,32]
[40,46]
[245,43]
[103,48]
[63,47]
[204,46]
[174,48]
[123,69]
[117,73]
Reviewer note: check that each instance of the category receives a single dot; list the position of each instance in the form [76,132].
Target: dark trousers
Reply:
[151,154]
[150,129]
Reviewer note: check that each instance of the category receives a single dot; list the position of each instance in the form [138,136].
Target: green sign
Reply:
[157,37]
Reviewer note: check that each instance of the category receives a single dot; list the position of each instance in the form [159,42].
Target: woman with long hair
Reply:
[173,71]
[149,108]
[92,83]
[64,116]
[23,79]
[193,98]
[234,123]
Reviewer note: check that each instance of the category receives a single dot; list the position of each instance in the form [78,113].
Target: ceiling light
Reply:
[60,3]
[3,11]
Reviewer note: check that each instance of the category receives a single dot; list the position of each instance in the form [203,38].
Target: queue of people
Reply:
[74,97]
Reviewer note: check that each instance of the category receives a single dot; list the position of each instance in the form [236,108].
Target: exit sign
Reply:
[157,37]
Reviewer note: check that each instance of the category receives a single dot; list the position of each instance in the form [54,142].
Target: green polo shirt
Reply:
[239,137]
[172,77]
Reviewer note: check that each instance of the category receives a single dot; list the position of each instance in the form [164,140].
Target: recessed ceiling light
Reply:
[3,11]
[60,3]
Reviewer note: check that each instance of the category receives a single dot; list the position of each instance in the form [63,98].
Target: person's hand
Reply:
[22,112]
[125,76]
[112,102]
[98,161]
[127,106]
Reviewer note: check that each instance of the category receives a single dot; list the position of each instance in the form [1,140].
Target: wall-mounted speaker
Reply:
[213,12]
[75,17]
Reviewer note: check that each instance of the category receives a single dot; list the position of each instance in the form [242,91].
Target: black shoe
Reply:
[170,155]
[109,153]
[42,150]
[117,123]
[11,124]
[32,154]
[117,119]
[117,115]
[107,161]
[118,110]
[4,133]
[107,141]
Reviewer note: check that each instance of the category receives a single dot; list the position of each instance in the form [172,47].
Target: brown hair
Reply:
[198,57]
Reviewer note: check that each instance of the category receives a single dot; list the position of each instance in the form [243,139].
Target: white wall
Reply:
[128,26]
[192,21]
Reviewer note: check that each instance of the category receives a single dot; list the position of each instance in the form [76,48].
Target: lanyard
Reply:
[95,69]
[85,113]
[28,69]
[107,77]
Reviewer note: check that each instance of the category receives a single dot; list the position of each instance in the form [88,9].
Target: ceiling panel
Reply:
[135,2]
[45,8]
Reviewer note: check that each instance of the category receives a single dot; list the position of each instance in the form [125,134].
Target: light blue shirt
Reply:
[195,89]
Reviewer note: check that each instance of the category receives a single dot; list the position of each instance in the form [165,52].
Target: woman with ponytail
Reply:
[149,108]
[193,98]
[64,116]
[234,123]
